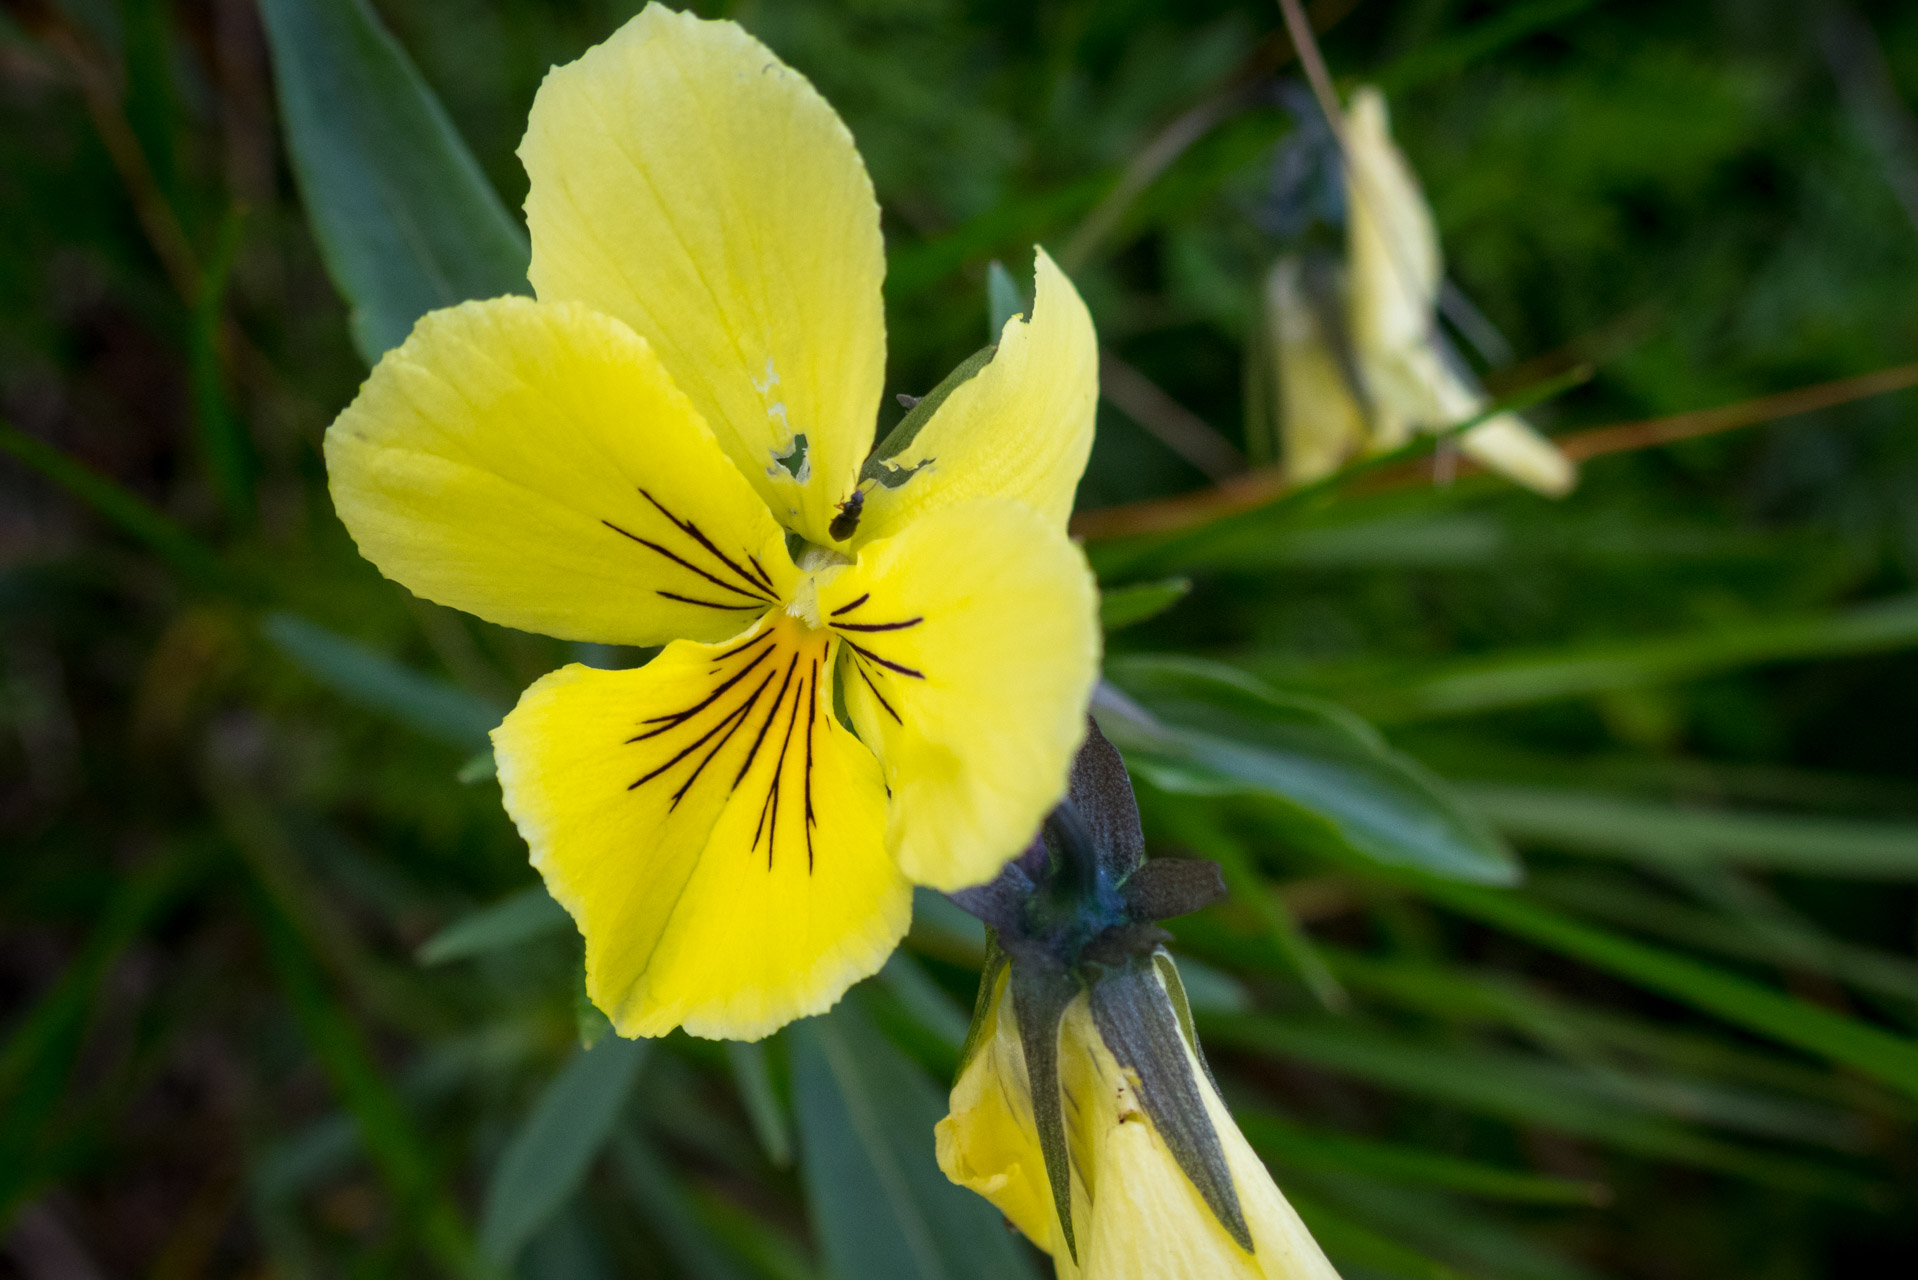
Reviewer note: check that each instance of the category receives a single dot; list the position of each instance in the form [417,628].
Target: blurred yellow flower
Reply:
[1359,361]
[669,447]
[1136,1214]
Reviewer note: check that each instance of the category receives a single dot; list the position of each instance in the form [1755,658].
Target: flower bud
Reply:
[1137,1214]
[1083,1108]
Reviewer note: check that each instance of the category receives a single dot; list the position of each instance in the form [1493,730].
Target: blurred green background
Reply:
[278,995]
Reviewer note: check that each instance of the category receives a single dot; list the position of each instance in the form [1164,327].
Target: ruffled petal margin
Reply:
[717,836]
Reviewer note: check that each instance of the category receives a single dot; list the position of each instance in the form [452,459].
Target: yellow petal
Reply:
[1418,388]
[1394,246]
[1394,282]
[1135,1214]
[1322,424]
[989,1143]
[717,836]
[1146,1221]
[533,464]
[1508,445]
[971,645]
[687,181]
[1020,429]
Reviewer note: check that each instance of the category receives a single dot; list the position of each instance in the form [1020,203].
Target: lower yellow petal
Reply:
[971,646]
[717,836]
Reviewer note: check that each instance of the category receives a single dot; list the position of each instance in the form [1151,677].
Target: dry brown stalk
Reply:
[1256,488]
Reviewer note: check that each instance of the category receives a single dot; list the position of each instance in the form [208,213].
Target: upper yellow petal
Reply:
[687,181]
[533,464]
[718,837]
[1022,428]
[971,647]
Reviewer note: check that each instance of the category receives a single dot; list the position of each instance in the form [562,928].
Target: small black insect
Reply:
[847,520]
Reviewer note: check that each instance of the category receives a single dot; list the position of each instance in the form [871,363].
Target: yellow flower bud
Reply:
[1136,1215]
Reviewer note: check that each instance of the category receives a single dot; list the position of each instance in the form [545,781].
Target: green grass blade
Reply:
[1866,1048]
[549,1154]
[1520,1090]
[37,1062]
[399,1153]
[660,1193]
[881,1208]
[1195,827]
[1598,822]
[752,1077]
[1441,58]
[1772,943]
[405,219]
[132,515]
[377,683]
[224,444]
[1350,1244]
[1279,1141]
[1139,601]
[1521,679]
[521,917]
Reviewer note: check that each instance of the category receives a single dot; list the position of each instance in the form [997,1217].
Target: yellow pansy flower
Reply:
[1136,1214]
[1359,360]
[666,448]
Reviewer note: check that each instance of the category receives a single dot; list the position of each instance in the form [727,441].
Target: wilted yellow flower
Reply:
[669,447]
[1388,370]
[1136,1214]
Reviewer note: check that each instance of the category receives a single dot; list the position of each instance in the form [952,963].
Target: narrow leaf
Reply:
[530,913]
[1199,728]
[1522,1090]
[754,1081]
[1604,823]
[377,683]
[1875,1052]
[1280,1141]
[1004,298]
[131,514]
[1522,679]
[405,219]
[549,1154]
[1139,601]
[880,1207]
[660,1192]
[399,1152]
[1136,1020]
[1361,1248]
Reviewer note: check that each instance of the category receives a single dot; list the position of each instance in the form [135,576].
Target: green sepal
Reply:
[901,437]
[1040,995]
[1137,1021]
[1182,1009]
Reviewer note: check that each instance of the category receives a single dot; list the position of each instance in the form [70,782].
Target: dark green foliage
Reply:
[231,796]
